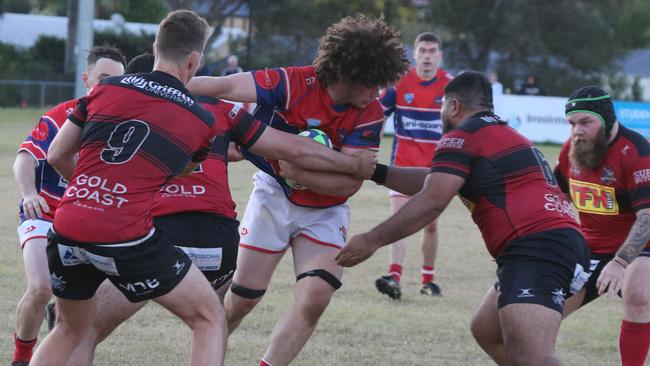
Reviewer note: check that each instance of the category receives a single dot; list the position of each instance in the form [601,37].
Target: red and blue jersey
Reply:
[49,184]
[608,197]
[415,105]
[207,189]
[138,131]
[292,100]
[509,187]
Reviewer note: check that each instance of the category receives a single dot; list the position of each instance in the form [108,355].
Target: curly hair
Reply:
[360,51]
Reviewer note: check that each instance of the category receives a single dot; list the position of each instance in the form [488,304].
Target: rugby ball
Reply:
[318,136]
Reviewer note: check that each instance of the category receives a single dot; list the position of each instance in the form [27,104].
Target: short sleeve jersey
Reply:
[138,131]
[206,189]
[415,105]
[608,197]
[292,100]
[49,184]
[509,187]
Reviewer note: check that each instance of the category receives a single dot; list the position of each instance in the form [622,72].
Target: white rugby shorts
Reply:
[32,229]
[271,222]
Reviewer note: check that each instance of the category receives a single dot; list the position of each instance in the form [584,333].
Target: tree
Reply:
[565,43]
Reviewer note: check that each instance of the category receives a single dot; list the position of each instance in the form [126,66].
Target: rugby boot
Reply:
[431,289]
[387,285]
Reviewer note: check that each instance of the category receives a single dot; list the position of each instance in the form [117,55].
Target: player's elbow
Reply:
[55,158]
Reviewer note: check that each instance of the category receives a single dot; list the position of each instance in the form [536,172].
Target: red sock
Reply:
[23,349]
[427,274]
[395,271]
[264,363]
[634,343]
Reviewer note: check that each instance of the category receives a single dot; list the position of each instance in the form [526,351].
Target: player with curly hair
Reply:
[338,95]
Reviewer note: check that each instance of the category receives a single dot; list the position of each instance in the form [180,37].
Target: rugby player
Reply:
[415,102]
[527,225]
[197,212]
[603,167]
[41,188]
[338,95]
[129,141]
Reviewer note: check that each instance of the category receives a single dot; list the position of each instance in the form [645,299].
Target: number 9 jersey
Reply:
[138,131]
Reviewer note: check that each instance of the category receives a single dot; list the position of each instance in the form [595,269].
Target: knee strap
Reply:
[246,292]
[324,275]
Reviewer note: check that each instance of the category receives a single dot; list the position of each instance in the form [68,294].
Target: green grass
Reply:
[359,328]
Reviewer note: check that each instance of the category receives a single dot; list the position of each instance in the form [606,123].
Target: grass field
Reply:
[359,328]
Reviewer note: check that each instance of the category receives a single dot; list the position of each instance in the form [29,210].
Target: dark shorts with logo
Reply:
[598,262]
[209,240]
[143,271]
[543,268]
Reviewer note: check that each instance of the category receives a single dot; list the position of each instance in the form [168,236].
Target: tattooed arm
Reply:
[637,238]
[611,278]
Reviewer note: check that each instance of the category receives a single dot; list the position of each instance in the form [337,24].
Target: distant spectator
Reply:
[530,87]
[497,87]
[232,67]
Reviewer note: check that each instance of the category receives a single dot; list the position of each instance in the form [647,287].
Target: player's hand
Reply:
[286,169]
[367,163]
[358,249]
[34,206]
[611,278]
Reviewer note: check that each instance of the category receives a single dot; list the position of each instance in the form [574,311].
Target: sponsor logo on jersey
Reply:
[641,176]
[593,198]
[165,91]
[313,122]
[608,176]
[558,296]
[206,259]
[310,80]
[451,142]
[268,78]
[29,229]
[140,287]
[525,292]
[178,267]
[434,126]
[41,132]
[243,231]
[409,97]
[58,283]
[625,149]
[71,256]
[233,112]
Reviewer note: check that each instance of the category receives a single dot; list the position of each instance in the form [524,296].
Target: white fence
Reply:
[542,119]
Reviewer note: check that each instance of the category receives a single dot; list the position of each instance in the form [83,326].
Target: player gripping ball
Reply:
[318,136]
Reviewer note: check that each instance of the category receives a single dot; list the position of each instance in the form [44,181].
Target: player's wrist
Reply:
[621,261]
[380,173]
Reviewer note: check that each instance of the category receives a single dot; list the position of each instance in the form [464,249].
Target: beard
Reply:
[446,124]
[588,154]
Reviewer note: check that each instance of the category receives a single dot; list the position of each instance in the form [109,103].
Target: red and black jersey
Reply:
[509,187]
[206,189]
[138,131]
[415,105]
[292,100]
[607,198]
[49,184]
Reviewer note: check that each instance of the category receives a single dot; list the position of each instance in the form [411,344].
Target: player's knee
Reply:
[40,293]
[312,304]
[315,297]
[636,302]
[245,298]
